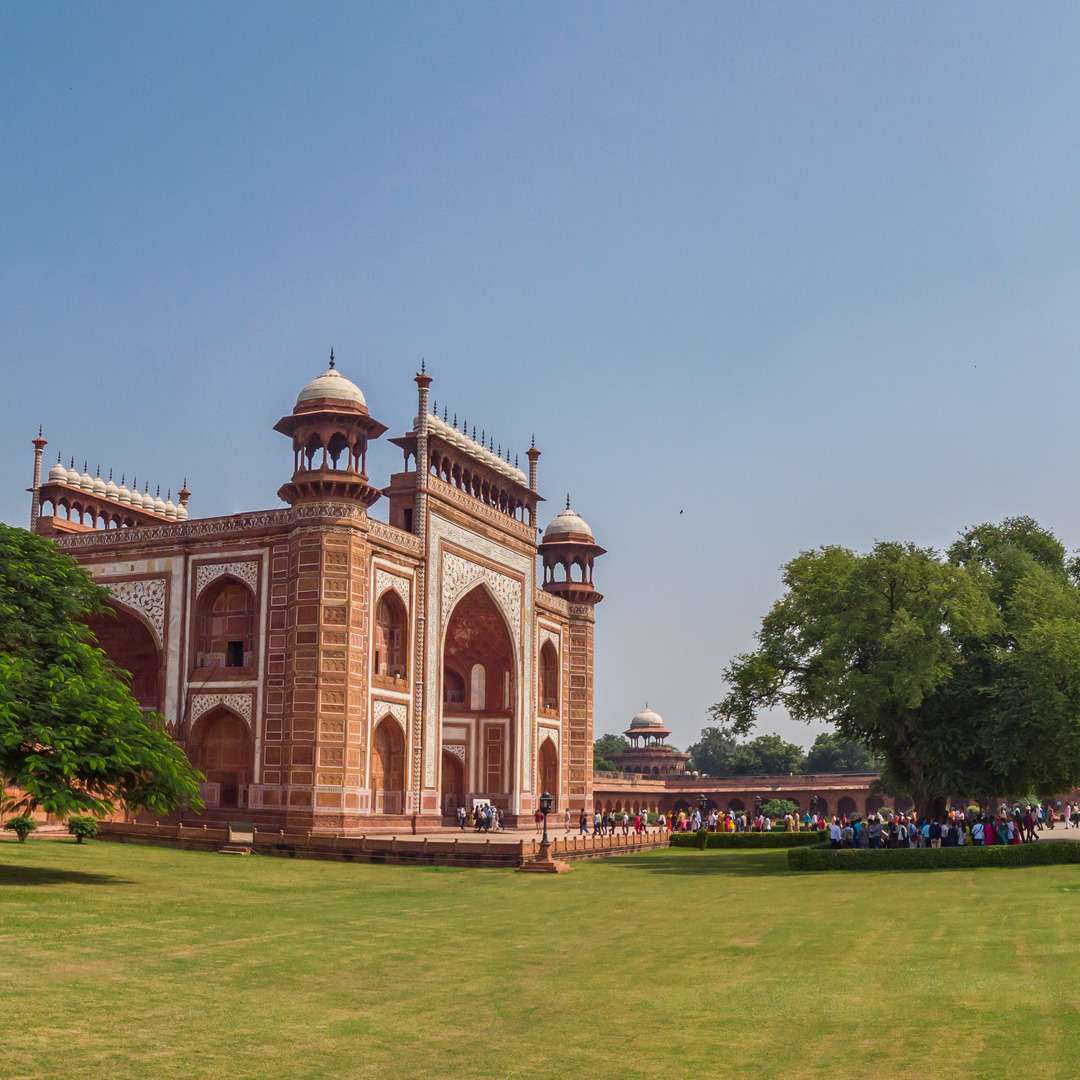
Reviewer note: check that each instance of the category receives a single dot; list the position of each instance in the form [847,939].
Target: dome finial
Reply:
[423,369]
[331,357]
[568,500]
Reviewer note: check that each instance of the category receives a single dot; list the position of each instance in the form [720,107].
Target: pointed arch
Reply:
[225,624]
[390,652]
[387,770]
[549,676]
[130,641]
[547,769]
[220,746]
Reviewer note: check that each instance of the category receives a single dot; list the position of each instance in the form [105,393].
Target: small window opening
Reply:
[234,654]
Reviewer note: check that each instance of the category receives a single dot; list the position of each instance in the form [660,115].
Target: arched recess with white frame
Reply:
[547,769]
[387,768]
[390,659]
[224,629]
[479,676]
[128,640]
[220,747]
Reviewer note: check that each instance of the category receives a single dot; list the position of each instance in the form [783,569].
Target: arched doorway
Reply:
[388,767]
[453,783]
[549,677]
[220,747]
[479,694]
[391,635]
[225,625]
[130,644]
[547,762]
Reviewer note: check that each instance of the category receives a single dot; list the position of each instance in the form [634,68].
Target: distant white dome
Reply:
[181,513]
[157,504]
[332,384]
[170,509]
[124,495]
[99,485]
[112,492]
[74,478]
[58,474]
[136,498]
[647,719]
[566,523]
[86,482]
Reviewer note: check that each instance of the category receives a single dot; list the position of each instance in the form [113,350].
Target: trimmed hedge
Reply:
[823,857]
[778,839]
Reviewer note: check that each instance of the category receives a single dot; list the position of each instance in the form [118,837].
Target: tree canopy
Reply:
[604,747]
[834,753]
[72,738]
[960,672]
[719,753]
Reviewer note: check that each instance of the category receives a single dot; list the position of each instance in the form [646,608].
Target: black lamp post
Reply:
[545,808]
[815,802]
[702,803]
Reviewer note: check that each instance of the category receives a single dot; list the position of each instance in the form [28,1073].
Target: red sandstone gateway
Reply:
[327,670]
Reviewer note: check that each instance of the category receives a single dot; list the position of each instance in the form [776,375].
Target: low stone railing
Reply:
[466,849]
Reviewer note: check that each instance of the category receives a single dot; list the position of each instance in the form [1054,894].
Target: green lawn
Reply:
[119,962]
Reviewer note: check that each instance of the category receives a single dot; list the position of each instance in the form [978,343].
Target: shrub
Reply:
[21,826]
[82,827]
[821,857]
[703,839]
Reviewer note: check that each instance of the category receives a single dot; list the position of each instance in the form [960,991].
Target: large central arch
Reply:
[479,696]
[130,644]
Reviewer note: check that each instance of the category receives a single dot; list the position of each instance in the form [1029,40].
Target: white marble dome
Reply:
[58,474]
[566,523]
[73,476]
[332,384]
[647,719]
[99,485]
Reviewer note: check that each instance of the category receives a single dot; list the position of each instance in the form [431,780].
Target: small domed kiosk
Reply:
[568,551]
[330,427]
[651,757]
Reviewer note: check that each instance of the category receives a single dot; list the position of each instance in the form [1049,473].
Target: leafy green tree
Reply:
[71,736]
[961,674]
[833,753]
[711,754]
[767,755]
[604,747]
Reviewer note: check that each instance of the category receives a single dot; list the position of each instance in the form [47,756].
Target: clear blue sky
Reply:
[759,276]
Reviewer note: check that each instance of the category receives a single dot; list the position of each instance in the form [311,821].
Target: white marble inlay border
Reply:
[238,703]
[146,596]
[401,585]
[247,572]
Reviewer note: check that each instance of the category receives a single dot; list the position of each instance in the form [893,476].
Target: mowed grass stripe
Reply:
[131,962]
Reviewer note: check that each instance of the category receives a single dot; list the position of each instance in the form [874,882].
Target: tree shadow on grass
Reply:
[700,863]
[47,875]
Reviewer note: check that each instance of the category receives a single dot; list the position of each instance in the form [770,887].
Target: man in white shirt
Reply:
[834,833]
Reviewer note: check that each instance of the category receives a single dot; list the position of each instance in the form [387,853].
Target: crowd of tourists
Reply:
[884,829]
[957,828]
[483,818]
